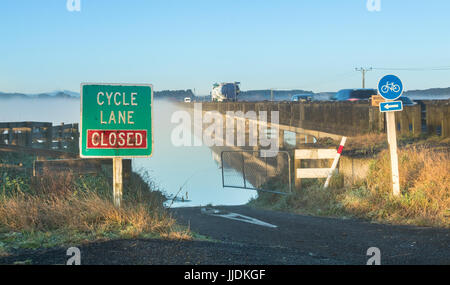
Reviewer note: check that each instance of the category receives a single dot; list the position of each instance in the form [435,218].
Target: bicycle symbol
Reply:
[390,86]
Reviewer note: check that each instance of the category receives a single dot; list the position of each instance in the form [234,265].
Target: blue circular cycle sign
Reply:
[390,87]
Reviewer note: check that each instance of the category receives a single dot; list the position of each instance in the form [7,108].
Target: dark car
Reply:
[406,101]
[302,98]
[354,94]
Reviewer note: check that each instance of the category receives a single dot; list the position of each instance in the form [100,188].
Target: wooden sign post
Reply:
[117,181]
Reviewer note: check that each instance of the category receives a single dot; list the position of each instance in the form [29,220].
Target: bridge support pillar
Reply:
[299,139]
[247,133]
[309,139]
[281,138]
[257,134]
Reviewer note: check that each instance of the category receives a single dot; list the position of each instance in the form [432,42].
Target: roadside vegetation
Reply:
[425,198]
[374,143]
[55,210]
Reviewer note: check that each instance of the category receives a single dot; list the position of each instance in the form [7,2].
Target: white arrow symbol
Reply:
[387,106]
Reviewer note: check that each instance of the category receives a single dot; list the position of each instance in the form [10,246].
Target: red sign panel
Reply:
[116,139]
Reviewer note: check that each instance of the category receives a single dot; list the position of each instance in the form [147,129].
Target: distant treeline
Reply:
[432,91]
[40,96]
[278,95]
[178,95]
[169,94]
[249,95]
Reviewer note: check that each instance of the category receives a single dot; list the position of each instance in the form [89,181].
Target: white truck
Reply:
[225,91]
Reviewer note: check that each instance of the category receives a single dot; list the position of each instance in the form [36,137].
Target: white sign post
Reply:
[390,88]
[392,140]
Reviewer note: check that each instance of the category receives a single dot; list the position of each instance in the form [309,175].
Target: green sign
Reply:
[116,120]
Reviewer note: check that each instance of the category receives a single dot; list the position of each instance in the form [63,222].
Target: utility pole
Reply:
[363,71]
[271,94]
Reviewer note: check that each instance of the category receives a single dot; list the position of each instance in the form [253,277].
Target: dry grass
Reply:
[374,143]
[366,141]
[83,207]
[424,180]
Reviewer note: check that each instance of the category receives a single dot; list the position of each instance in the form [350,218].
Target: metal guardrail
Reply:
[245,169]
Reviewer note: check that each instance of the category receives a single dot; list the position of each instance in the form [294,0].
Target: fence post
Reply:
[60,135]
[29,135]
[446,121]
[10,136]
[49,136]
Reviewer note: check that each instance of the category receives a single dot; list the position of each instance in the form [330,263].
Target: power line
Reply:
[313,84]
[414,68]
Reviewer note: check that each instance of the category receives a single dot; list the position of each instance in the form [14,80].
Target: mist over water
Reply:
[192,168]
[56,111]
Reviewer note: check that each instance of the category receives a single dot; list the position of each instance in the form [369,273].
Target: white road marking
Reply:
[237,217]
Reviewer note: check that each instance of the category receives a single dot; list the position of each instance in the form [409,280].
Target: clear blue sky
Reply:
[187,44]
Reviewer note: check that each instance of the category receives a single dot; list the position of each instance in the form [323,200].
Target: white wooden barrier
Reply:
[314,154]
[317,154]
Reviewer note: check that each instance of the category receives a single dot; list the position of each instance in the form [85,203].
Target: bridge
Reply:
[311,121]
[334,119]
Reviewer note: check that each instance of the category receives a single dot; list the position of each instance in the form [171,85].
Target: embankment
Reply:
[424,201]
[68,209]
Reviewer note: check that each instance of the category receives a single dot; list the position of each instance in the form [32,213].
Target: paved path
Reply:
[337,240]
[244,235]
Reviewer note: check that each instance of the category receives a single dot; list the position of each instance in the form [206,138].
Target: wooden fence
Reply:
[45,140]
[40,135]
[79,166]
